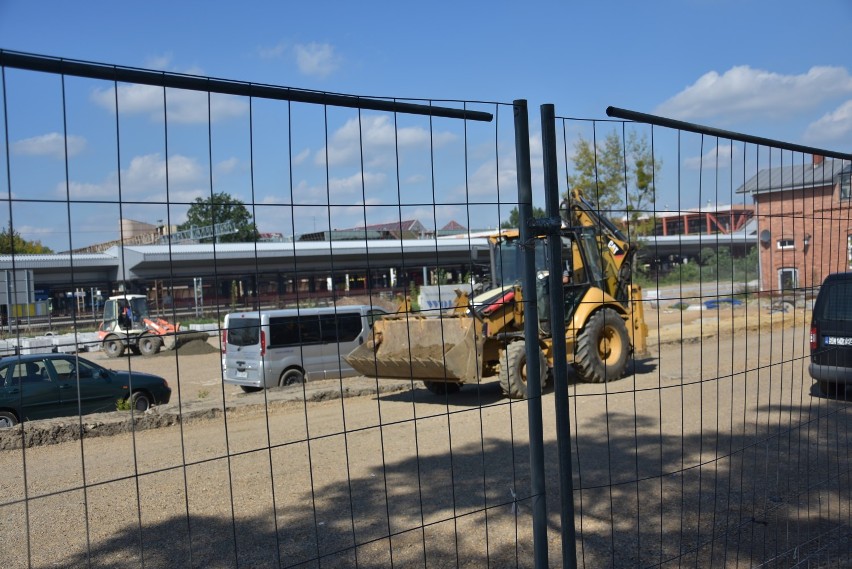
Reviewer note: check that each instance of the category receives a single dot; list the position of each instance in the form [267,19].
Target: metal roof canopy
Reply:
[141,262]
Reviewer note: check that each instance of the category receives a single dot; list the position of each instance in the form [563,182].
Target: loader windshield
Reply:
[508,261]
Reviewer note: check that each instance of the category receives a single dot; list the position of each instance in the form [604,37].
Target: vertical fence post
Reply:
[537,485]
[557,331]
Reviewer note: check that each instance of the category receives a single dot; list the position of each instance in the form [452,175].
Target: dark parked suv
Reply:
[831,334]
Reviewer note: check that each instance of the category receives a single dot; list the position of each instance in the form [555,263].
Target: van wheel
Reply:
[291,377]
[602,347]
[442,387]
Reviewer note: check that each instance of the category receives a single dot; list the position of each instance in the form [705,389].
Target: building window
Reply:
[846,186]
[788,278]
[786,243]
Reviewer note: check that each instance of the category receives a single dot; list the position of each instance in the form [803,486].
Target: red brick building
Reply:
[804,215]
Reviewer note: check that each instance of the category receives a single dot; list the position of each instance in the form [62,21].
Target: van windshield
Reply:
[244,331]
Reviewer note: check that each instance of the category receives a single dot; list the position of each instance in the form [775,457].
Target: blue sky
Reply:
[774,68]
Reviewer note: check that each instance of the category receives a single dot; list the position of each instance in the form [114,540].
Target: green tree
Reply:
[618,175]
[221,208]
[12,242]
[514,221]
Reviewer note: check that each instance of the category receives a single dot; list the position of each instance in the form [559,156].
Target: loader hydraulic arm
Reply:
[615,250]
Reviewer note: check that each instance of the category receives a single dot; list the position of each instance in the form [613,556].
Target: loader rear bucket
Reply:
[420,348]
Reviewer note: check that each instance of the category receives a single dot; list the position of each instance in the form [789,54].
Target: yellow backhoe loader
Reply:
[604,318]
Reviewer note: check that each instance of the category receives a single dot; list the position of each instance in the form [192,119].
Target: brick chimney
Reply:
[818,159]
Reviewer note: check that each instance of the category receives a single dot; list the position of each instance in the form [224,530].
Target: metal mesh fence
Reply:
[347,225]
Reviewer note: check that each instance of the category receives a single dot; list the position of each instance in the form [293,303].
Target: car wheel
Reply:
[149,345]
[140,402]
[7,419]
[291,377]
[250,388]
[113,347]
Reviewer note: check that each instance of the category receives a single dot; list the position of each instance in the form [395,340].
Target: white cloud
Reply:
[744,93]
[377,135]
[832,126]
[316,59]
[163,61]
[187,107]
[301,157]
[273,52]
[356,184]
[51,144]
[227,166]
[145,176]
[719,156]
[486,179]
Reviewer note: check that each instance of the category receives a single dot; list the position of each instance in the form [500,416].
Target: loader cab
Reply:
[124,312]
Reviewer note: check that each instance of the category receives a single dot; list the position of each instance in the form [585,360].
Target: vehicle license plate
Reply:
[242,374]
[835,341]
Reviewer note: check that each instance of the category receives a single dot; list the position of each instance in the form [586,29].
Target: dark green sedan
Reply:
[43,386]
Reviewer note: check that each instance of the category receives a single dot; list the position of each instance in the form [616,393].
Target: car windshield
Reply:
[243,331]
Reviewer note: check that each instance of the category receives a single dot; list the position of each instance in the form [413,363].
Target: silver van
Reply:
[271,348]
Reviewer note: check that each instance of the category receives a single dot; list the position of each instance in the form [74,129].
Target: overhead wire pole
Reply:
[557,330]
[536,430]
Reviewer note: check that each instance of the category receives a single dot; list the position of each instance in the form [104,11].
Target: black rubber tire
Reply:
[513,370]
[603,347]
[113,347]
[149,345]
[140,401]
[250,389]
[291,376]
[7,419]
[442,387]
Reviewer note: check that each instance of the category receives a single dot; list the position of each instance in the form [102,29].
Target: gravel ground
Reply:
[714,452]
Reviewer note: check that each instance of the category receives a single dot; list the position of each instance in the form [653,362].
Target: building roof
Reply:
[796,177]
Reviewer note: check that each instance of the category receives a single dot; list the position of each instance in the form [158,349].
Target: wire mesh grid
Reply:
[716,448]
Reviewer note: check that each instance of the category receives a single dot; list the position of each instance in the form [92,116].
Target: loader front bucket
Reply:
[433,349]
[176,340]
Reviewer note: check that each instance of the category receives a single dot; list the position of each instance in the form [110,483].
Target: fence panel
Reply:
[118,172]
[716,449]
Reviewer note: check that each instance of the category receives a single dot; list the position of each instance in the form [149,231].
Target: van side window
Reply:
[343,327]
[293,331]
[283,332]
[309,330]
